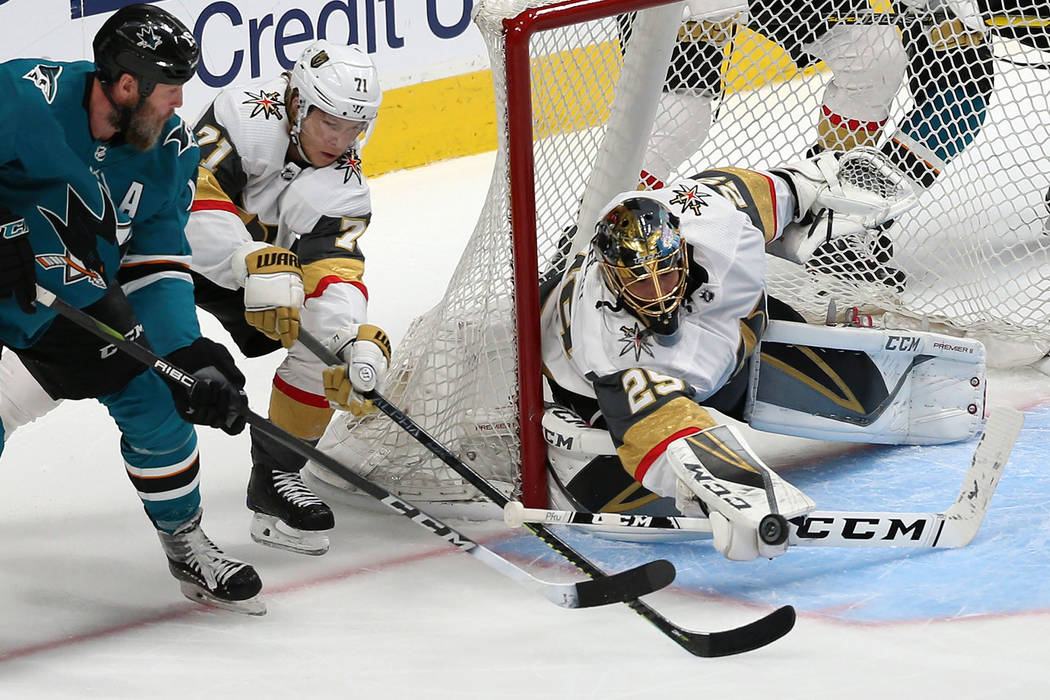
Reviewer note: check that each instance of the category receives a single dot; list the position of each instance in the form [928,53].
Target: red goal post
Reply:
[575,115]
[519,32]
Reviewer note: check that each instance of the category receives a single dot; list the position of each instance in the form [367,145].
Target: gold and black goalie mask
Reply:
[644,261]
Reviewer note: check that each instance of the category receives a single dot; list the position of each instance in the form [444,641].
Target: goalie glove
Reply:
[273,289]
[838,195]
[747,503]
[366,351]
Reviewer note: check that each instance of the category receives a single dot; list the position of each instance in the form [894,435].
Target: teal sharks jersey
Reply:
[53,173]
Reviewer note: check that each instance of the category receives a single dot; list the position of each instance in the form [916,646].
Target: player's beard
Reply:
[144,127]
[140,125]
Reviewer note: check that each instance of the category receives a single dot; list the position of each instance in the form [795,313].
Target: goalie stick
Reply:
[623,586]
[706,644]
[955,527]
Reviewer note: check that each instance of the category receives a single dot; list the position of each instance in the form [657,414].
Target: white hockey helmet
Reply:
[338,79]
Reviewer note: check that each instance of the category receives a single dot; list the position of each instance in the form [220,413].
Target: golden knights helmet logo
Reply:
[319,59]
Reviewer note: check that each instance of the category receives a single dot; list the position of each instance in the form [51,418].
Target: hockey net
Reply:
[576,110]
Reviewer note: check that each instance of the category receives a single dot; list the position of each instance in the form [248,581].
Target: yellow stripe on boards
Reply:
[439,119]
[453,117]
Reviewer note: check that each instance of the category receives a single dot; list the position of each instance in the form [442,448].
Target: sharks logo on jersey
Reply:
[181,136]
[45,77]
[82,224]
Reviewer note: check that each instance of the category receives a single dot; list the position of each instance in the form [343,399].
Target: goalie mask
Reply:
[644,262]
[337,79]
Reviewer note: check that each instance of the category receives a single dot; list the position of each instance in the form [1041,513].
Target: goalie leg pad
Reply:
[738,491]
[587,475]
[586,472]
[866,385]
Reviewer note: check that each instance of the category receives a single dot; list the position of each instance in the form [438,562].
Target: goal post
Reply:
[585,88]
[628,125]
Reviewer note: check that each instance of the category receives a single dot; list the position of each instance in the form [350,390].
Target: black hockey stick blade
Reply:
[626,585]
[706,644]
[749,637]
[619,588]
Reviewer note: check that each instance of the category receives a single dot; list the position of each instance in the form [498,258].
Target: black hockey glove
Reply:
[217,398]
[17,262]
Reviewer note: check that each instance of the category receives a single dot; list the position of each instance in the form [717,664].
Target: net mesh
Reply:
[963,110]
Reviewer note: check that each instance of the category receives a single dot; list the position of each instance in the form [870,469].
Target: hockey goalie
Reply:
[662,326]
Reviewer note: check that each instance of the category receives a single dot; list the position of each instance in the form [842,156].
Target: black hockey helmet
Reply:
[644,260]
[148,43]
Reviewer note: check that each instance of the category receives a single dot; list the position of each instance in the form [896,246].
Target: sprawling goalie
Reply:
[662,326]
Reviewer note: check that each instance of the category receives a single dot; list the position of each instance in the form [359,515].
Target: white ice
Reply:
[89,609]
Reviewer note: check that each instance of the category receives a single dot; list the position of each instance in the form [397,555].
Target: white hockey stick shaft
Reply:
[956,527]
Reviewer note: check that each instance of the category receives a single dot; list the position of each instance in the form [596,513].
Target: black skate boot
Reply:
[853,259]
[287,513]
[206,574]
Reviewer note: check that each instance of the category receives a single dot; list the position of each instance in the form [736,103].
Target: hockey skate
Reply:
[206,574]
[287,514]
[854,259]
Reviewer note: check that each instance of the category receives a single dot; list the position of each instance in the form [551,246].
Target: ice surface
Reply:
[89,609]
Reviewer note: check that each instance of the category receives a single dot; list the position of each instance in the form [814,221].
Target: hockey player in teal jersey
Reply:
[91,148]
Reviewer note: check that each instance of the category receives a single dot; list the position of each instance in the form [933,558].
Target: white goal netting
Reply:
[739,89]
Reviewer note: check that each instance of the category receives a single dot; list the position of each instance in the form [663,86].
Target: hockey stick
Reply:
[955,527]
[616,588]
[992,21]
[707,644]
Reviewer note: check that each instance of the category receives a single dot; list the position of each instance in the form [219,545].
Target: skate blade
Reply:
[272,532]
[249,606]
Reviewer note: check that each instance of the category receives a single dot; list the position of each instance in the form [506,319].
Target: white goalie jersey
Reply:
[726,216]
[248,189]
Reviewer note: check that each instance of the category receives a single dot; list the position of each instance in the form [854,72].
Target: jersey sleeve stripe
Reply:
[175,261]
[756,191]
[214,204]
[657,450]
[303,397]
[645,440]
[210,194]
[329,280]
[137,284]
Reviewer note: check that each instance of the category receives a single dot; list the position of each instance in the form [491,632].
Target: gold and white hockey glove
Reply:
[273,289]
[366,351]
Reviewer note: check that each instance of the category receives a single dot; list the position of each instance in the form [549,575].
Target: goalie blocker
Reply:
[830,383]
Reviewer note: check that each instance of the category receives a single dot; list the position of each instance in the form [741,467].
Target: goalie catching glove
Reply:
[366,351]
[273,290]
[838,195]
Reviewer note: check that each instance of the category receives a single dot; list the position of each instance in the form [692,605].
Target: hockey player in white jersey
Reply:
[280,206]
[658,321]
